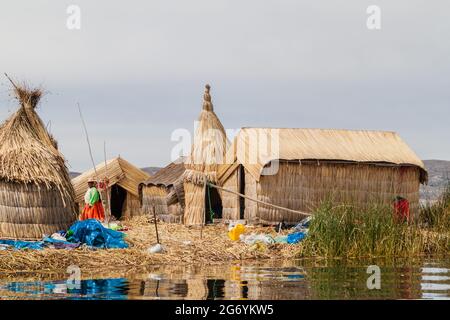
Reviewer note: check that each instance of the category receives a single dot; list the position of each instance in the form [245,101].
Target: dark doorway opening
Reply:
[118,197]
[242,191]
[213,204]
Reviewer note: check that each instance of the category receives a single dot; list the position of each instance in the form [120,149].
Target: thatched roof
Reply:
[117,171]
[167,175]
[361,146]
[210,141]
[28,153]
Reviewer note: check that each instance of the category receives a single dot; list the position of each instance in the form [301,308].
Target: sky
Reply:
[138,69]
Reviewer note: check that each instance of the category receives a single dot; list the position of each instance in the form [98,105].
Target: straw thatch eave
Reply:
[116,171]
[28,153]
[288,144]
[167,175]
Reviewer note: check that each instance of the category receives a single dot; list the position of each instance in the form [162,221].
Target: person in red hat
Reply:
[93,208]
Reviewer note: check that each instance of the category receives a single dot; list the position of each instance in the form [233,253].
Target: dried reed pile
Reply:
[35,190]
[207,153]
[183,246]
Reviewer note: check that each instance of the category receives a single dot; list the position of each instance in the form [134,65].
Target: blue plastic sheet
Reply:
[39,245]
[94,234]
[295,237]
[18,245]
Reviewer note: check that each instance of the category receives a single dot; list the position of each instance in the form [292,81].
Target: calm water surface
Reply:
[303,279]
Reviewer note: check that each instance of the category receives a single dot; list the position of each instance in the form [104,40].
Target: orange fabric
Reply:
[94,212]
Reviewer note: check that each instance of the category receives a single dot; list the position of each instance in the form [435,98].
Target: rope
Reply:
[211,212]
[259,201]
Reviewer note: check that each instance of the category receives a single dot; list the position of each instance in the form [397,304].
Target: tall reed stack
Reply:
[36,196]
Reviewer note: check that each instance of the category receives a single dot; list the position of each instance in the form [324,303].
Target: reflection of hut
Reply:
[197,289]
[122,178]
[154,191]
[36,196]
[208,151]
[300,168]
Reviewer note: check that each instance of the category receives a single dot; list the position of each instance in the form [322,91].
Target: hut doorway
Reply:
[118,197]
[213,204]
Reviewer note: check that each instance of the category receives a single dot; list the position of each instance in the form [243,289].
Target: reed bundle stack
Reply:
[36,196]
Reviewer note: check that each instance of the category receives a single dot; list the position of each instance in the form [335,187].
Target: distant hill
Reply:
[74,174]
[151,170]
[438,179]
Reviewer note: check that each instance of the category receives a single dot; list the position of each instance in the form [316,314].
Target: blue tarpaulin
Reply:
[295,237]
[39,245]
[90,232]
[94,234]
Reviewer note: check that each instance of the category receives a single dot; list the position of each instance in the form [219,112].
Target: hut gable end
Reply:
[117,171]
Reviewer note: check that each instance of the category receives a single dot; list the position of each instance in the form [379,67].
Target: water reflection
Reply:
[429,279]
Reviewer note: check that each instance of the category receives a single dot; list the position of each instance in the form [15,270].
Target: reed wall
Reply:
[154,198]
[132,207]
[194,212]
[304,186]
[28,211]
[230,202]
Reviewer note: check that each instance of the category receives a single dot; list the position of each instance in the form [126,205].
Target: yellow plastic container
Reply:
[237,230]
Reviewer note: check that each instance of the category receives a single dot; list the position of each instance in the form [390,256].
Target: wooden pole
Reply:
[204,211]
[261,202]
[156,225]
[108,209]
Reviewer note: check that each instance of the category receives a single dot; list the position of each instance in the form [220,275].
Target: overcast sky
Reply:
[138,68]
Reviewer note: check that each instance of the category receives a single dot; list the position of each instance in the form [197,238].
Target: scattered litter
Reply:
[235,232]
[157,248]
[296,237]
[281,239]
[303,225]
[258,246]
[254,238]
[58,236]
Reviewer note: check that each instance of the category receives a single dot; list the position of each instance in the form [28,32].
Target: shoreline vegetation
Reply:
[341,232]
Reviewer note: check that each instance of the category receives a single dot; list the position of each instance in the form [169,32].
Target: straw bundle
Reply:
[207,153]
[35,190]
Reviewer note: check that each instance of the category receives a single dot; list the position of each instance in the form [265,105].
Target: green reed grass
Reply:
[347,231]
[437,215]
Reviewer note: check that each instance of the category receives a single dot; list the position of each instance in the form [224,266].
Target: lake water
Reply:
[301,279]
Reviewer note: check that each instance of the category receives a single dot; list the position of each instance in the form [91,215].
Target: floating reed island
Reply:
[182,244]
[346,179]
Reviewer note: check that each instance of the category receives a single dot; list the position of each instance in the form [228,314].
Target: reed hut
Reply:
[154,192]
[36,196]
[119,181]
[207,153]
[300,168]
